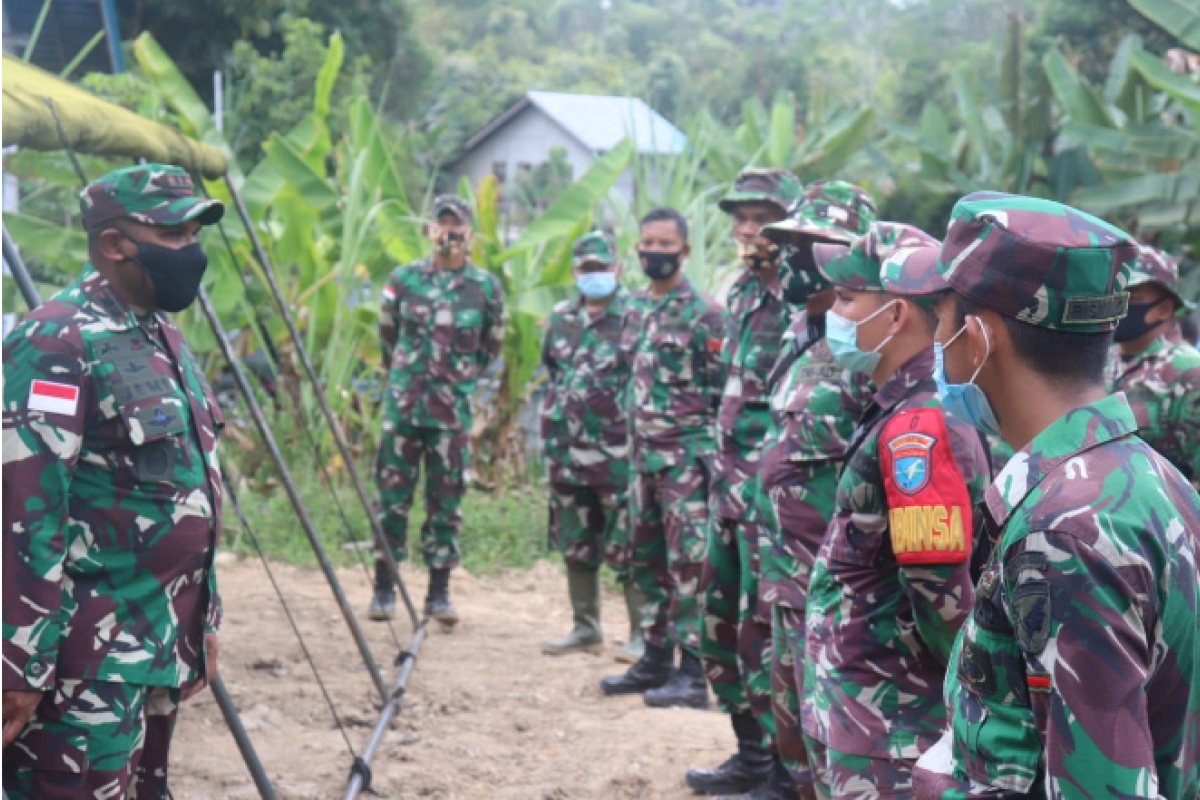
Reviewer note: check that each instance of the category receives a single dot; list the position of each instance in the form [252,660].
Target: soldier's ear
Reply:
[685,252]
[111,244]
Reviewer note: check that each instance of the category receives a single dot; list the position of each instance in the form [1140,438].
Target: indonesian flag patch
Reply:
[389,293]
[53,398]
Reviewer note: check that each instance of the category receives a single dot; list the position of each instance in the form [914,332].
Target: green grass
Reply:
[505,529]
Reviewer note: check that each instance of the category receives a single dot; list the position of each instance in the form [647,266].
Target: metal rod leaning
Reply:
[285,475]
[360,774]
[20,272]
[234,722]
[319,391]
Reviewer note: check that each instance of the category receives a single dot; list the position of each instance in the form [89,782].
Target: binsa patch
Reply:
[929,507]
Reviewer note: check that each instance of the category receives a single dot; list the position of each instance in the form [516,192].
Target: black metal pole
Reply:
[234,723]
[20,272]
[319,391]
[285,476]
[360,775]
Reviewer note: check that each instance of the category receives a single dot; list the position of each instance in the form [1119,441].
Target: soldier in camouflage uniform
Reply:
[891,584]
[1076,674]
[678,376]
[440,326]
[1158,371]
[814,405]
[586,436]
[112,503]
[758,315]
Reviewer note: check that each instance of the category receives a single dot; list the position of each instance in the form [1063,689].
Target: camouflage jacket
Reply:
[439,330]
[815,403]
[758,317]
[1162,384]
[112,496]
[1077,673]
[880,634]
[584,426]
[678,375]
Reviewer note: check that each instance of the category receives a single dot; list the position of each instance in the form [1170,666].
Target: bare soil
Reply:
[486,715]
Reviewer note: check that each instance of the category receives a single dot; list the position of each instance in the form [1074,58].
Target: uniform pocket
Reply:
[468,327]
[154,429]
[673,358]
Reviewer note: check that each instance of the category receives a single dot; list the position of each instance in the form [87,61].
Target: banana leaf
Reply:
[62,249]
[782,132]
[1076,97]
[1180,89]
[1180,18]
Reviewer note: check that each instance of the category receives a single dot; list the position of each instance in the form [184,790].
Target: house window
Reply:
[500,170]
[524,168]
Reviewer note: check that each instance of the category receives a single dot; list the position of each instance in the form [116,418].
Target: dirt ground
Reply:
[486,714]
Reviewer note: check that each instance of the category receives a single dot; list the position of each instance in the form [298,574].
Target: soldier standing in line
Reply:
[814,405]
[1157,370]
[678,375]
[440,326]
[112,503]
[891,585]
[1076,674]
[758,315]
[586,434]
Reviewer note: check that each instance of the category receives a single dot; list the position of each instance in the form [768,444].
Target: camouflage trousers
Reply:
[849,777]
[445,454]
[589,525]
[787,682]
[97,740]
[670,519]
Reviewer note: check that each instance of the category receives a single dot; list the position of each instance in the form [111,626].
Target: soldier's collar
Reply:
[916,370]
[103,300]
[1085,428]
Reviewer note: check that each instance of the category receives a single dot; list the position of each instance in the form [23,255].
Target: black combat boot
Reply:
[653,669]
[383,603]
[744,771]
[687,687]
[437,599]
[777,786]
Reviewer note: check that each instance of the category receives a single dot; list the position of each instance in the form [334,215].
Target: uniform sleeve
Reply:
[1185,424]
[494,326]
[712,334]
[942,595]
[43,438]
[1082,632]
[389,318]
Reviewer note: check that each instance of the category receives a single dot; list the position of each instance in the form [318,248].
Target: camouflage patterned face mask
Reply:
[451,244]
[759,257]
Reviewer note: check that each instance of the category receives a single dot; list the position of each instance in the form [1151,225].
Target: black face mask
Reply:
[798,275]
[1134,325]
[660,266]
[176,274]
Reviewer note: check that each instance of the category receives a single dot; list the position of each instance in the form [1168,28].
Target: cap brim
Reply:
[824,254]
[205,211]
[465,216]
[731,201]
[918,276]
[795,231]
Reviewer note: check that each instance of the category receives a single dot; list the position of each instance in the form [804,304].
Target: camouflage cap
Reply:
[1155,266]
[913,271]
[859,266]
[153,194]
[595,246]
[775,186]
[828,211]
[454,204]
[1038,261]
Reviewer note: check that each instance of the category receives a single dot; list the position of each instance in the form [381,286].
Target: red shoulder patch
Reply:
[929,507]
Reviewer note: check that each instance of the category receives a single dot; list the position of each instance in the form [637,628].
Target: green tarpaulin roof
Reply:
[91,125]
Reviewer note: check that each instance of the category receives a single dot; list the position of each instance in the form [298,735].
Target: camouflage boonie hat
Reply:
[153,194]
[859,266]
[828,211]
[594,246]
[1155,266]
[775,186]
[454,204]
[1038,261]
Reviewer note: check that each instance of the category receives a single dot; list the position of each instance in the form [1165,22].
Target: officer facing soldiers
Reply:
[814,405]
[586,437]
[440,326]
[891,585]
[112,503]
[1158,371]
[758,316]
[678,375]
[1076,674]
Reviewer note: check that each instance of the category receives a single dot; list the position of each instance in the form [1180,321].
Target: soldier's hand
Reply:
[18,708]
[210,668]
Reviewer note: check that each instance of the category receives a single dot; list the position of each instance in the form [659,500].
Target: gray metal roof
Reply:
[600,123]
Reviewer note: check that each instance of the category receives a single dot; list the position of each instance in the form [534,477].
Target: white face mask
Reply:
[842,335]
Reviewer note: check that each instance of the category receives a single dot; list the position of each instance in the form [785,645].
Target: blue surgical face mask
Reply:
[842,335]
[965,400]
[596,285]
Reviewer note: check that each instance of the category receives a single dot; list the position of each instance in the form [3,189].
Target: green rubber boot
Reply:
[632,652]
[584,588]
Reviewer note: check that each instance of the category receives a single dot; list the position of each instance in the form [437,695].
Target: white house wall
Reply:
[526,138]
